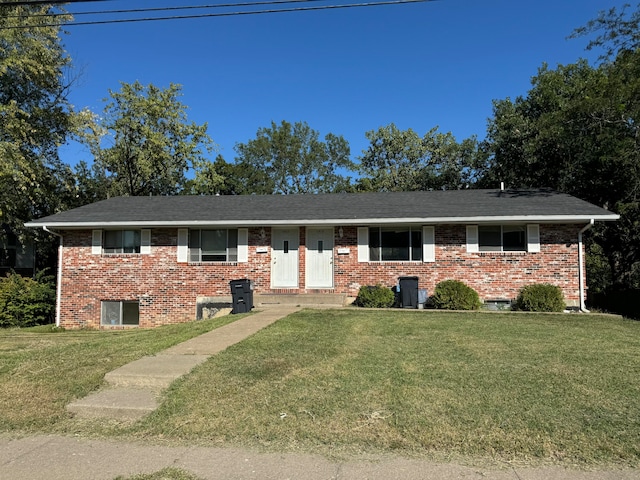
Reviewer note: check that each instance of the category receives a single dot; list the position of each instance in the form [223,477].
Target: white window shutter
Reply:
[145,241]
[428,244]
[363,244]
[533,238]
[243,245]
[96,242]
[472,239]
[183,245]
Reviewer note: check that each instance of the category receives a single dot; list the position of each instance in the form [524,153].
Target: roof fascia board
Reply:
[336,221]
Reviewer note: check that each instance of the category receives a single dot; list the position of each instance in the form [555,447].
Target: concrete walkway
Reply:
[133,390]
[66,458]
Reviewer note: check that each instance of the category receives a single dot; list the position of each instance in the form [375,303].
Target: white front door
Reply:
[319,265]
[284,258]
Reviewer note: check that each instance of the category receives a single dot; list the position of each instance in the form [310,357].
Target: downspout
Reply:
[583,307]
[59,275]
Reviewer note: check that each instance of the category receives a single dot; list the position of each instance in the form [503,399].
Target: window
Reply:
[120,313]
[219,245]
[121,241]
[395,244]
[502,238]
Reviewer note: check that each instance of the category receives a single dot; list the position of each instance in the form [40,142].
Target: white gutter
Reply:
[583,307]
[333,221]
[59,275]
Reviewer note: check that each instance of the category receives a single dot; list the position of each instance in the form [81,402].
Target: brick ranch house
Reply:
[147,261]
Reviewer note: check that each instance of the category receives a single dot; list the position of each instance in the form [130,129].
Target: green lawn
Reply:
[517,387]
[42,370]
[503,386]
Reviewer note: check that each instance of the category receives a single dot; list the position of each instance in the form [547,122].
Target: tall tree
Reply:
[577,131]
[36,117]
[290,158]
[146,144]
[402,160]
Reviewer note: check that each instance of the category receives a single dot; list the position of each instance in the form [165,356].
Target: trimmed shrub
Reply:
[455,295]
[25,302]
[540,297]
[375,297]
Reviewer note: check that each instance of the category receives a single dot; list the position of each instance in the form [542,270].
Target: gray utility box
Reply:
[241,295]
[408,292]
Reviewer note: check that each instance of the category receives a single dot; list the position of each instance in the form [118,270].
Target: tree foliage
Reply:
[402,160]
[25,302]
[291,158]
[618,31]
[577,131]
[36,117]
[150,143]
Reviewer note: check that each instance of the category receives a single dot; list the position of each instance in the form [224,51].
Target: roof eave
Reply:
[330,221]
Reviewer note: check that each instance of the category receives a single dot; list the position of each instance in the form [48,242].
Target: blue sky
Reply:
[343,71]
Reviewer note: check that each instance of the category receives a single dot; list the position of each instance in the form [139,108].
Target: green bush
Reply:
[540,297]
[375,297]
[455,295]
[25,302]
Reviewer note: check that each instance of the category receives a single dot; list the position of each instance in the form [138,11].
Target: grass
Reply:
[164,474]
[44,368]
[531,388]
[514,387]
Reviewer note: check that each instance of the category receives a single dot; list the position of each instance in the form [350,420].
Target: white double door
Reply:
[285,258]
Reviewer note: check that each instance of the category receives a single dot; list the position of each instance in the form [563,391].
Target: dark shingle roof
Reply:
[454,206]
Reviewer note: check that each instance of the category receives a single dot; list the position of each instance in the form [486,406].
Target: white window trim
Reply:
[243,245]
[533,238]
[363,244]
[473,244]
[428,244]
[96,242]
[145,241]
[183,245]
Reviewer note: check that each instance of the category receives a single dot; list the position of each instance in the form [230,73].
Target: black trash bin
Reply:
[408,292]
[242,295]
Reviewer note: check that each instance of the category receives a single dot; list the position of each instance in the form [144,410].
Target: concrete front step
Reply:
[120,403]
[300,299]
[134,389]
[158,371]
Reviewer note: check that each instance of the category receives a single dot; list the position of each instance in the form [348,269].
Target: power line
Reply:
[25,3]
[227,14]
[162,9]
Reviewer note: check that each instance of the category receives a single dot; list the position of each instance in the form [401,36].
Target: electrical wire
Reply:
[24,3]
[162,9]
[223,14]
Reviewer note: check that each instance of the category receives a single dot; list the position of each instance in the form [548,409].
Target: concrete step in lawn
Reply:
[122,403]
[134,390]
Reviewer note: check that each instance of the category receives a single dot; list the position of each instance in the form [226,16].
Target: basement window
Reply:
[120,313]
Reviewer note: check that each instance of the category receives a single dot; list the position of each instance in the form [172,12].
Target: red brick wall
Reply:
[492,275]
[167,290]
